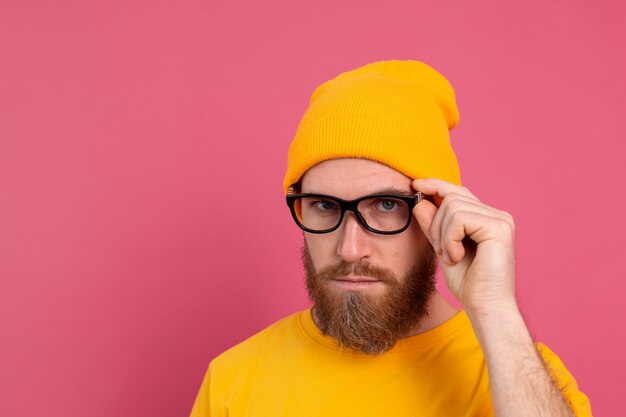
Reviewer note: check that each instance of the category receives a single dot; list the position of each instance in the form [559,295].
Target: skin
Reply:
[352,178]
[475,243]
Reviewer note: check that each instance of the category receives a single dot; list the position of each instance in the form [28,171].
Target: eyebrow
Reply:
[389,190]
[392,190]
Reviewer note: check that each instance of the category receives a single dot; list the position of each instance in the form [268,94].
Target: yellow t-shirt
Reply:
[291,369]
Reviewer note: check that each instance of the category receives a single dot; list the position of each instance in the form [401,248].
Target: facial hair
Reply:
[365,323]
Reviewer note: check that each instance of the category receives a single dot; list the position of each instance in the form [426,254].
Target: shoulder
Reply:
[251,349]
[231,369]
[562,377]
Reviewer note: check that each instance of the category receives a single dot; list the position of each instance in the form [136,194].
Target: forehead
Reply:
[354,177]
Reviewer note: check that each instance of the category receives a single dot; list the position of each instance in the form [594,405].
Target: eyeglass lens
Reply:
[385,214]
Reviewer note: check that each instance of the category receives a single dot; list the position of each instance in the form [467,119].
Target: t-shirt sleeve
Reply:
[578,402]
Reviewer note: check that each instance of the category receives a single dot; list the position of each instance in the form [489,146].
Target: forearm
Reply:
[520,383]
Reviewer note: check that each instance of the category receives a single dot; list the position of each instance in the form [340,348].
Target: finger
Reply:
[424,212]
[477,226]
[441,188]
[452,237]
[452,203]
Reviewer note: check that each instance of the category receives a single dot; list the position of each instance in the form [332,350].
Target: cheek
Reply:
[404,251]
[409,246]
[320,248]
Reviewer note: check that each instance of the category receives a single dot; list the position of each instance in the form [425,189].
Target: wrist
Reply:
[499,326]
[494,309]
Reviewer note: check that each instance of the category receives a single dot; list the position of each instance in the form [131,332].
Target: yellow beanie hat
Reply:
[398,113]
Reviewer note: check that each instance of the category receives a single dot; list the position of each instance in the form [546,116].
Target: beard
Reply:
[363,322]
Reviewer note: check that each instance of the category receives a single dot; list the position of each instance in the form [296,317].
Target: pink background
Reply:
[142,147]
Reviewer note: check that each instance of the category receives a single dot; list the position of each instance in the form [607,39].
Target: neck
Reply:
[439,311]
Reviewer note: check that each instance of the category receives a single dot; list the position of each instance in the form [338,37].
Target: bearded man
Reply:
[374,184]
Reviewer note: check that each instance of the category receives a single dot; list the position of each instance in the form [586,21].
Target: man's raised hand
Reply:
[474,241]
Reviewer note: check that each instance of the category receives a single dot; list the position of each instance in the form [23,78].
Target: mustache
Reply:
[363,269]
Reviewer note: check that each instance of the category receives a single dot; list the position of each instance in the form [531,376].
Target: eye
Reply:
[325,205]
[386,205]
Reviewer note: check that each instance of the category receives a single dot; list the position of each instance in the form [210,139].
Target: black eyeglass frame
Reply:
[352,205]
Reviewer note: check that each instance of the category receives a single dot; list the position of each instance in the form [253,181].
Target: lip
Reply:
[356,279]
[356,282]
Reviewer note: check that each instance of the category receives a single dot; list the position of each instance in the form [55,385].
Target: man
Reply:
[375,185]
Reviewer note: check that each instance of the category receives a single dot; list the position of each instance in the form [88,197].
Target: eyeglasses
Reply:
[385,214]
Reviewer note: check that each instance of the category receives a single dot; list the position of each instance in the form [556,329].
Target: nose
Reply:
[354,239]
